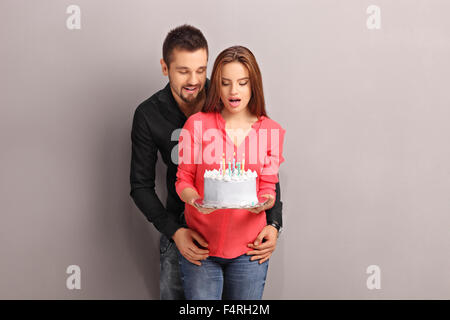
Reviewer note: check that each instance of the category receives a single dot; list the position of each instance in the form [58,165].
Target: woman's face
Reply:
[235,87]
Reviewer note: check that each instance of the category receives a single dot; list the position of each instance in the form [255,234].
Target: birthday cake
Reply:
[230,188]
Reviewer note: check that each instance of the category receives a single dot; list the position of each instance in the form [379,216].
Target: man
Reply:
[185,58]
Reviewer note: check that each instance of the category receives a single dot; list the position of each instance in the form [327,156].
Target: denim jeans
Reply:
[170,284]
[228,279]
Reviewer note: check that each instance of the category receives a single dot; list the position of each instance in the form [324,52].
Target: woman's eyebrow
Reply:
[246,78]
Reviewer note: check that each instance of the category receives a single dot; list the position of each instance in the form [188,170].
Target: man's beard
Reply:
[192,101]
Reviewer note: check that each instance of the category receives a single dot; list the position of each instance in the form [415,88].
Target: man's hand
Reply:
[184,239]
[263,250]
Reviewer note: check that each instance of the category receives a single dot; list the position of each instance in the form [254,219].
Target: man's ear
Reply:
[164,67]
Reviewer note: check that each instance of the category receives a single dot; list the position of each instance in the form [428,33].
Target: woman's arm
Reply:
[189,195]
[269,174]
[187,168]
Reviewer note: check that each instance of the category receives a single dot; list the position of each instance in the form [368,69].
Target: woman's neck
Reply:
[240,119]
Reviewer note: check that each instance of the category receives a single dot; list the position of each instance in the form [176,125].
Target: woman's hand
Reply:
[202,210]
[189,196]
[268,204]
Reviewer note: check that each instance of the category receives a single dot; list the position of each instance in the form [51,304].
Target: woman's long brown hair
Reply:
[243,55]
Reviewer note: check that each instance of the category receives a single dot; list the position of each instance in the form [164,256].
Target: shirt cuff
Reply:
[181,185]
[170,228]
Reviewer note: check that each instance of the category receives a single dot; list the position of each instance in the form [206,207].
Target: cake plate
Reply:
[199,203]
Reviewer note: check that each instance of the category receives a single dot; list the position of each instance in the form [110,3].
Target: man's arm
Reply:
[274,214]
[271,181]
[142,177]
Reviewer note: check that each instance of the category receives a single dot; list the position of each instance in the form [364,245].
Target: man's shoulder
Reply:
[150,105]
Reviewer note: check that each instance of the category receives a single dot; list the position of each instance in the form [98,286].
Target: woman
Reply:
[233,123]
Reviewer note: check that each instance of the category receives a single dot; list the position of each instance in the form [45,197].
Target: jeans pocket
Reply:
[164,244]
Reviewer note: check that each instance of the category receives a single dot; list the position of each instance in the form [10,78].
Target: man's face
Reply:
[187,74]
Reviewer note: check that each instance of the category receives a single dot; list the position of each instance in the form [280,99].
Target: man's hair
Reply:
[184,37]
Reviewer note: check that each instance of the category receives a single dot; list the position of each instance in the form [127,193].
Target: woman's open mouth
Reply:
[234,102]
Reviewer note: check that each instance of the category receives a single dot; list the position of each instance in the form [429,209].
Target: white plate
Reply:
[199,203]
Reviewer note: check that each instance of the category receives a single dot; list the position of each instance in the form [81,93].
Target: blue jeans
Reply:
[219,278]
[170,284]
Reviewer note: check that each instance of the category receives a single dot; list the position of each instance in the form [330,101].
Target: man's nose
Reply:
[193,79]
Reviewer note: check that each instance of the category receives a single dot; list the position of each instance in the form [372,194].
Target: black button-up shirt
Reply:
[154,121]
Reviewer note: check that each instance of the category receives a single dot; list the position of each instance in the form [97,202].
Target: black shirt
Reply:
[154,121]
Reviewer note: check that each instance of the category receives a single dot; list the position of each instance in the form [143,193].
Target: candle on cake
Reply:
[223,164]
[234,161]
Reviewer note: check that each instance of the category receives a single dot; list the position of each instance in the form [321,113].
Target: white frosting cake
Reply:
[230,189]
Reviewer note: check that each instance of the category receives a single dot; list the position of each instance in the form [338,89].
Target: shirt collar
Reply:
[221,121]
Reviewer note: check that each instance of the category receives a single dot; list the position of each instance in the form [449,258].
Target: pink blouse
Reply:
[202,145]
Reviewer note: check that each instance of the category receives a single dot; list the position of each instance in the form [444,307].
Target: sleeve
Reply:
[189,147]
[142,177]
[269,174]
[274,214]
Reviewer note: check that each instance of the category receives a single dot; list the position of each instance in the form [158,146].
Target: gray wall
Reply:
[367,174]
